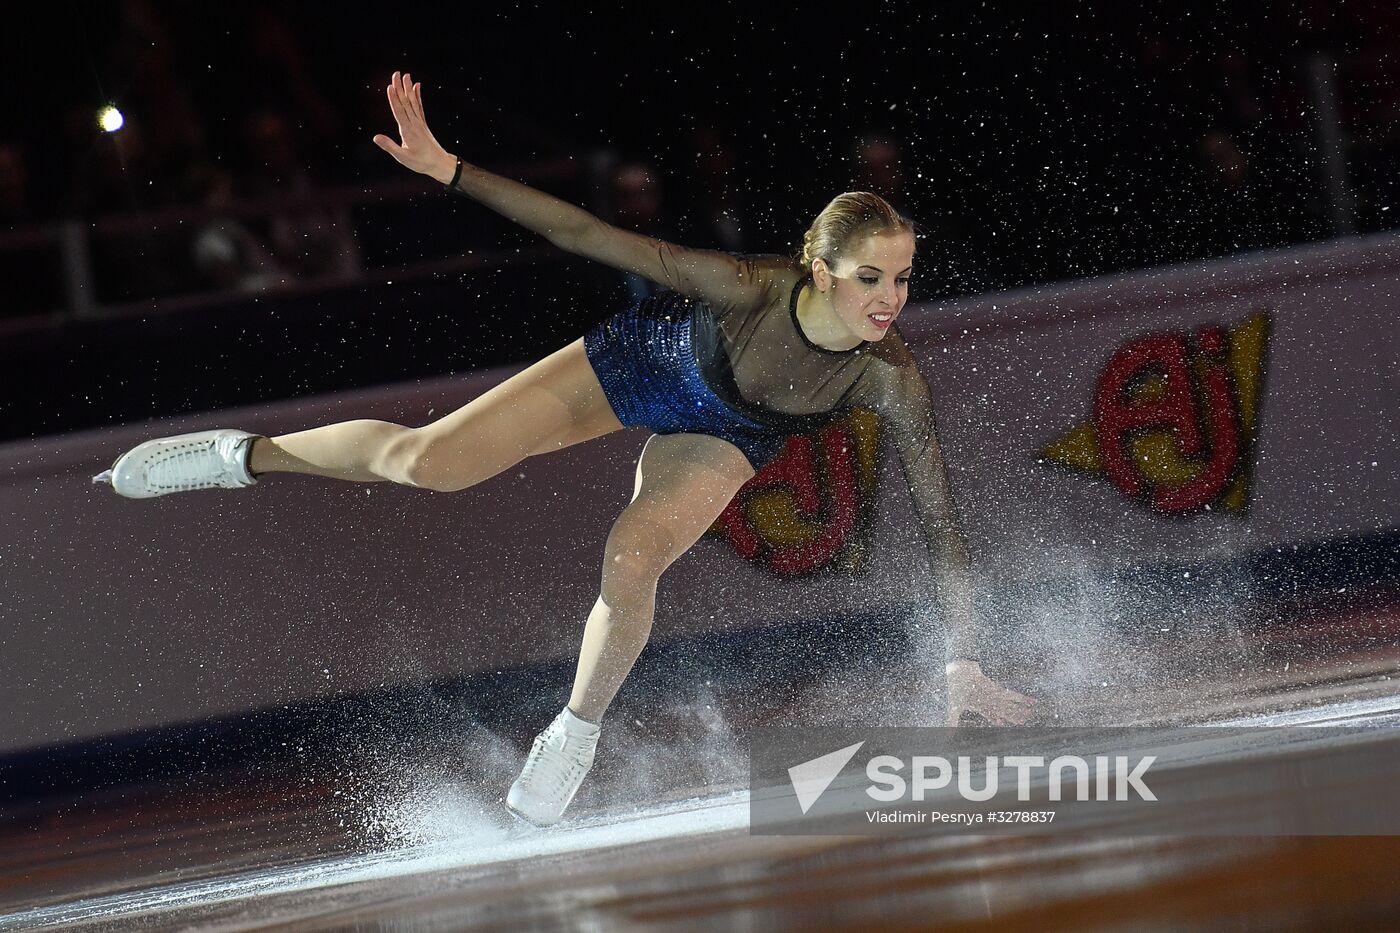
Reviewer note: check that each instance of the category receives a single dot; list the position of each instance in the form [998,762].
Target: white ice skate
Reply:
[558,762]
[215,459]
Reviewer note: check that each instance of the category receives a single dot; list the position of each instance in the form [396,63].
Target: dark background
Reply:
[1032,142]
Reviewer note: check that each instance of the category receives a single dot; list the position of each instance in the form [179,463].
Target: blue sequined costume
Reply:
[646,361]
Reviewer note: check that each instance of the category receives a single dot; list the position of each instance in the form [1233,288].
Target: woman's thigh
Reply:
[683,483]
[549,405]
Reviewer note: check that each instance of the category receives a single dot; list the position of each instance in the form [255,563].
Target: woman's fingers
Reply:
[399,103]
[406,95]
[1014,711]
[397,107]
[406,101]
[1019,700]
[1001,707]
[417,149]
[1012,716]
[411,95]
[1012,705]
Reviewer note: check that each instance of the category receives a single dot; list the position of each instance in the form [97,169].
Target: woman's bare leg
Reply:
[684,481]
[552,404]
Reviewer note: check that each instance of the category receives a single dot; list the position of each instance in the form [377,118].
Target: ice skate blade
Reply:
[522,818]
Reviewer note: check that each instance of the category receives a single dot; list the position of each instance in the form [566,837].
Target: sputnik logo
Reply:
[1173,426]
[811,778]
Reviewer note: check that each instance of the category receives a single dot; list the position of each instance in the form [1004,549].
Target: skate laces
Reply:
[185,468]
[556,768]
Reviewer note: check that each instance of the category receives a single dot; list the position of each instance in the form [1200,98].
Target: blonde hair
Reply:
[845,220]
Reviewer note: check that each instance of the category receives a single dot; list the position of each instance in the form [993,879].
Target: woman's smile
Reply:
[881,319]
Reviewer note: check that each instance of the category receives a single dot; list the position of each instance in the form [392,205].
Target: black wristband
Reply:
[456,175]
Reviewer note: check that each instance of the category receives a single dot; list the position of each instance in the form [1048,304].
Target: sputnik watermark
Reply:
[964,819]
[1114,778]
[1108,778]
[1197,780]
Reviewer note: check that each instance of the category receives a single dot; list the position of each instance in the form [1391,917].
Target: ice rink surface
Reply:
[245,854]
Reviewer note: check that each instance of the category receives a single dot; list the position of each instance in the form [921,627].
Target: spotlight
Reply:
[110,119]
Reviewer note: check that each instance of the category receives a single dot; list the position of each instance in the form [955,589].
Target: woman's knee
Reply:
[638,552]
[632,570]
[423,458]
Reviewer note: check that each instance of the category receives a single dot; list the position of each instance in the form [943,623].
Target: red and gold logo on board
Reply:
[1174,418]
[809,509]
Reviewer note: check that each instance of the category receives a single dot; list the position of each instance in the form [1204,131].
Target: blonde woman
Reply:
[737,354]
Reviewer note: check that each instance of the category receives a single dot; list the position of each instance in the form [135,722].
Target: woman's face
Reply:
[869,283]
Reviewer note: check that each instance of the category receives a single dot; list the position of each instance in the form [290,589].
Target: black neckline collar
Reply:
[797,325]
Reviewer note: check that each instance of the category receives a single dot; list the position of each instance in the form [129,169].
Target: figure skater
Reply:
[738,353]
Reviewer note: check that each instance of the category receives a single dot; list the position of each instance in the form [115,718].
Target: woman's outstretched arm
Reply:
[903,399]
[707,274]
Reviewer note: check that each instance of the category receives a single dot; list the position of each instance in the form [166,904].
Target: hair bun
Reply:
[851,214]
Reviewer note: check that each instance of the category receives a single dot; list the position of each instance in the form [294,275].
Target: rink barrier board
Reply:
[121,617]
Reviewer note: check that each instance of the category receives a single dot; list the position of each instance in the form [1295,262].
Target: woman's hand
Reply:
[419,150]
[971,691]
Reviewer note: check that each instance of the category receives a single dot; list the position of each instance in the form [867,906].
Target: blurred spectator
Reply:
[308,240]
[114,178]
[879,168]
[721,209]
[14,187]
[114,175]
[225,252]
[637,206]
[1202,132]
[1237,92]
[1233,208]
[278,50]
[161,102]
[947,266]
[1368,85]
[33,277]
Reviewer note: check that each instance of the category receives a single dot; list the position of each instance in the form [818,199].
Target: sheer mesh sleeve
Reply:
[724,280]
[898,391]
